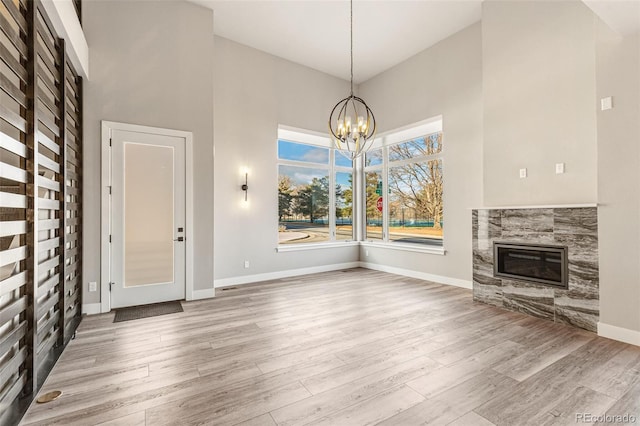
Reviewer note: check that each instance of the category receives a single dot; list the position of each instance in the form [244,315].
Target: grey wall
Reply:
[254,93]
[618,71]
[151,64]
[539,102]
[444,79]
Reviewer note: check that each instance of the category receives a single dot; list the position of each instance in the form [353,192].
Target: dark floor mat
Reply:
[146,311]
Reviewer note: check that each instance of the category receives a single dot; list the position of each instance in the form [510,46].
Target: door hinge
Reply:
[109,238]
[110,142]
[110,286]
[109,189]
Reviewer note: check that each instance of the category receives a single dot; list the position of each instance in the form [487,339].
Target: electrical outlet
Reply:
[366,253]
[559,168]
[246,263]
[93,286]
[523,173]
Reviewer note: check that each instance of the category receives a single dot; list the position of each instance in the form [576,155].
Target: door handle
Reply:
[179,239]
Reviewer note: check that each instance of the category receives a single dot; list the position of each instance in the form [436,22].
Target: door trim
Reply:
[105,225]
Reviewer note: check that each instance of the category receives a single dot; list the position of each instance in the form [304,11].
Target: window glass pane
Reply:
[373,157]
[415,203]
[374,205]
[427,145]
[302,152]
[344,206]
[343,161]
[303,205]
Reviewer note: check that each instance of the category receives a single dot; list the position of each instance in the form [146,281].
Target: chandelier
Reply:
[351,122]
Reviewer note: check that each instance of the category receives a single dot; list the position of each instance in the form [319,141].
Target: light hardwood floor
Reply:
[354,347]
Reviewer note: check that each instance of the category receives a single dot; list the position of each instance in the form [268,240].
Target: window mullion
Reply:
[332,195]
[385,194]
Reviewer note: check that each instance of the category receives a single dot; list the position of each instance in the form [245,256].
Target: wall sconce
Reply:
[245,186]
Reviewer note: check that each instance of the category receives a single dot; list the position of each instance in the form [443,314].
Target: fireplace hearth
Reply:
[538,261]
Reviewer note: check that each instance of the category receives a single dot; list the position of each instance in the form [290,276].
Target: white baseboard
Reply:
[248,279]
[419,275]
[206,293]
[619,333]
[91,308]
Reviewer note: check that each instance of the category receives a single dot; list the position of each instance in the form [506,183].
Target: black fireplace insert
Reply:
[531,262]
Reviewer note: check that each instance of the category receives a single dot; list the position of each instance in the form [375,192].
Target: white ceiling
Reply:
[315,33]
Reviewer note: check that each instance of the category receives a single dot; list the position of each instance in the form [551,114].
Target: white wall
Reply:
[151,64]
[618,75]
[254,93]
[539,102]
[446,80]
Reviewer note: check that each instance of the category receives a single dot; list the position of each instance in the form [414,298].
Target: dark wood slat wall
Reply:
[40,202]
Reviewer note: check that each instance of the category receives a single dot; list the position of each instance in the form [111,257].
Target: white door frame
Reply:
[105,208]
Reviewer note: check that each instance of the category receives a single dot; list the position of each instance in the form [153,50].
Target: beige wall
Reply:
[446,80]
[151,64]
[254,93]
[539,102]
[618,75]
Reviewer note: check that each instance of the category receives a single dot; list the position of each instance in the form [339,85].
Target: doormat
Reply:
[146,311]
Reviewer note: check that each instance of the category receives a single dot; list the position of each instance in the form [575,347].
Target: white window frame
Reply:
[384,141]
[307,137]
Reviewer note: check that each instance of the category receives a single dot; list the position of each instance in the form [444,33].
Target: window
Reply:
[404,182]
[315,193]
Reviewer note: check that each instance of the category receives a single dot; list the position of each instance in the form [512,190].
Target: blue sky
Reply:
[313,154]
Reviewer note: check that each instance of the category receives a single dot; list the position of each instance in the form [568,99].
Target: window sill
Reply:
[314,246]
[405,247]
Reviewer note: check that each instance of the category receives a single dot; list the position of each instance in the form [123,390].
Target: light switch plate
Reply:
[523,173]
[93,286]
[559,168]
[606,103]
[246,263]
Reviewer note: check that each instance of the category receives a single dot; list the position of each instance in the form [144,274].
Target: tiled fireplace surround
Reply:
[574,227]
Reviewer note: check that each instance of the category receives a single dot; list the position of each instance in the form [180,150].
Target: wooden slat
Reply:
[13,283]
[13,64]
[43,54]
[46,286]
[43,29]
[12,118]
[46,326]
[45,182]
[8,312]
[48,163]
[13,366]
[48,224]
[48,265]
[49,204]
[48,103]
[72,114]
[46,141]
[71,253]
[14,92]
[12,145]
[49,244]
[13,173]
[71,301]
[13,392]
[13,255]
[13,35]
[15,201]
[50,84]
[43,350]
[47,305]
[72,175]
[44,119]
[13,227]
[16,14]
[12,337]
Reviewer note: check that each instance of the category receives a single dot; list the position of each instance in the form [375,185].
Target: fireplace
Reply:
[541,264]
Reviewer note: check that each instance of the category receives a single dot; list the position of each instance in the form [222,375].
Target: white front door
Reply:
[147,218]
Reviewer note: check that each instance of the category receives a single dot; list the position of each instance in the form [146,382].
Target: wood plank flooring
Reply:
[355,347]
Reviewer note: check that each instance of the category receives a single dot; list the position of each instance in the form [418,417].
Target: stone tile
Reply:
[583,280]
[581,247]
[483,262]
[489,294]
[576,221]
[528,298]
[535,221]
[523,236]
[582,313]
